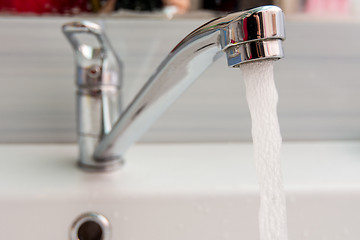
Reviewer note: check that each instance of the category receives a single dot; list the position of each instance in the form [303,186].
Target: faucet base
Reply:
[89,163]
[112,165]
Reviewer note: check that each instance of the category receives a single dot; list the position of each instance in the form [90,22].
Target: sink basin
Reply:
[179,191]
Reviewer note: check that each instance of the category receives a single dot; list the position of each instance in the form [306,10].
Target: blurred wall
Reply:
[318,82]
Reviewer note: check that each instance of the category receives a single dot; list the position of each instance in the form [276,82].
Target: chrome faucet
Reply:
[105,131]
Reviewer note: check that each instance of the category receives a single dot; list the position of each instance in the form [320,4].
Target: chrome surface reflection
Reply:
[252,35]
[98,80]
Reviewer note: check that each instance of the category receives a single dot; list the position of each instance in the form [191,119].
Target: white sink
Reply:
[177,192]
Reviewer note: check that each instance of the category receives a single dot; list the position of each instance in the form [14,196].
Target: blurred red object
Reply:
[44,6]
[328,7]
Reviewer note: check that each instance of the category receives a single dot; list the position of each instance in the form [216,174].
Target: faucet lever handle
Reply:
[89,50]
[94,55]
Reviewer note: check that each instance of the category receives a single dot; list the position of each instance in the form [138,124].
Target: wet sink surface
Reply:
[179,191]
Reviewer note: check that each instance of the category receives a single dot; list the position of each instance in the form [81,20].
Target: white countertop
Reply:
[179,191]
[50,170]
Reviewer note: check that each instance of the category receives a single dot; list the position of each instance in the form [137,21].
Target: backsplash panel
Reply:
[318,82]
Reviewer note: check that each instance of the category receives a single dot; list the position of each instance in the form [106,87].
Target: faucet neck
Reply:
[246,36]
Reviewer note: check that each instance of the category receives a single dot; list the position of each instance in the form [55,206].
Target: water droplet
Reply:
[125,218]
[116,214]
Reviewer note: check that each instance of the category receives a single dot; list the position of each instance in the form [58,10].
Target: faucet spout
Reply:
[247,36]
[244,37]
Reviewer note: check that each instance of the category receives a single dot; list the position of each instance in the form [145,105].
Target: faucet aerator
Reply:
[254,51]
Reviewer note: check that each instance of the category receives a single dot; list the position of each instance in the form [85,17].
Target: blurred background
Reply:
[71,7]
[318,80]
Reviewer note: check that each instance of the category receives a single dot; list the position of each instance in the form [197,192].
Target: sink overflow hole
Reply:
[90,226]
[90,230]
